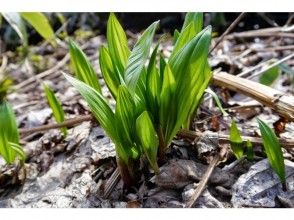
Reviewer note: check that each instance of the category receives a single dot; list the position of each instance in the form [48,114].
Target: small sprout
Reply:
[273,149]
[236,140]
[270,76]
[9,138]
[56,107]
[217,101]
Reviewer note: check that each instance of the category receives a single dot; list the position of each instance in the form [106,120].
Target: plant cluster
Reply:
[155,97]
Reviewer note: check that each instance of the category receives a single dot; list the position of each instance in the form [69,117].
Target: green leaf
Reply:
[98,105]
[249,150]
[236,140]
[167,109]
[192,74]
[125,119]
[148,138]
[269,76]
[176,36]
[125,114]
[8,132]
[117,44]
[273,149]
[19,150]
[40,23]
[16,22]
[82,66]
[192,26]
[153,87]
[110,76]
[196,18]
[107,119]
[139,56]
[56,107]
[217,101]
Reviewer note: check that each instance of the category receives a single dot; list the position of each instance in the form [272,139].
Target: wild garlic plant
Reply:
[153,99]
[9,137]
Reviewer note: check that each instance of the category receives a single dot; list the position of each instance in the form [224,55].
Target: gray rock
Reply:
[38,117]
[260,186]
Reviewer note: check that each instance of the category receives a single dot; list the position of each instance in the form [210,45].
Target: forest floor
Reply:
[73,172]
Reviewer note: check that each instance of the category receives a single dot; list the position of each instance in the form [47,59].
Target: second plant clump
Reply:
[155,97]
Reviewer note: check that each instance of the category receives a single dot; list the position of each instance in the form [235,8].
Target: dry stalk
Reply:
[282,103]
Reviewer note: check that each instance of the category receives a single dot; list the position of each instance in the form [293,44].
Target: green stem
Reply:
[126,173]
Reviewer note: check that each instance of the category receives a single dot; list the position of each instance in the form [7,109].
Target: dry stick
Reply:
[206,177]
[282,103]
[252,35]
[229,29]
[66,123]
[225,139]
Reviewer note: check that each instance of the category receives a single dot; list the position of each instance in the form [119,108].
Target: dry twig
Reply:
[229,29]
[202,184]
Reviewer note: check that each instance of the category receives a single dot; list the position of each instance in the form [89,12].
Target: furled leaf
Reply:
[269,76]
[56,107]
[117,44]
[236,140]
[217,101]
[40,23]
[82,66]
[139,57]
[16,22]
[110,76]
[273,149]
[148,138]
[8,132]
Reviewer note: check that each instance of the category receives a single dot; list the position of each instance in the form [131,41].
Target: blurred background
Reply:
[91,24]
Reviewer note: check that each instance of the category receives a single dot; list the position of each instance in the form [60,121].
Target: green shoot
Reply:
[9,138]
[236,141]
[273,149]
[56,107]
